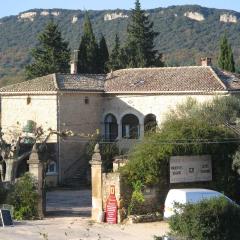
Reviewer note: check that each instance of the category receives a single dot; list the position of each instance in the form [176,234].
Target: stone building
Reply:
[120,104]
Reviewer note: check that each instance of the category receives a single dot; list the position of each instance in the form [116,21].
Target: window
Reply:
[28,100]
[52,167]
[111,127]
[130,127]
[86,100]
[150,123]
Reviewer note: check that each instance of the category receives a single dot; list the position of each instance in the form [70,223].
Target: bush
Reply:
[24,197]
[137,199]
[214,219]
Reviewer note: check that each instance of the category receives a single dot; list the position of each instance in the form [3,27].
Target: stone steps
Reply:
[77,181]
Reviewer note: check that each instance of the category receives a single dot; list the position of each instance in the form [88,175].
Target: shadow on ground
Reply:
[69,203]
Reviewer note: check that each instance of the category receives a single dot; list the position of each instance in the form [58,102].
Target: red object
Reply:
[111,207]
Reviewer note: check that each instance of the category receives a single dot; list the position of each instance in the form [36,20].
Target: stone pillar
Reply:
[96,172]
[141,130]
[119,130]
[36,168]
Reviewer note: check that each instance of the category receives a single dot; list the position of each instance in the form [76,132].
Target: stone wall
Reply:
[82,118]
[16,110]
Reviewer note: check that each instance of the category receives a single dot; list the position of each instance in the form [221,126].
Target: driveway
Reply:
[78,228]
[69,218]
[69,203]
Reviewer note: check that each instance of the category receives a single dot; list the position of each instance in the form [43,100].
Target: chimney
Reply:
[206,62]
[74,62]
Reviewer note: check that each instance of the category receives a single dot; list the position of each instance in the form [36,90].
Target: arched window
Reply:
[130,127]
[150,123]
[111,127]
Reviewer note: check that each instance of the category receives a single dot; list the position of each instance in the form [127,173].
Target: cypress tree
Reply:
[103,55]
[226,60]
[139,48]
[116,56]
[231,63]
[88,49]
[52,54]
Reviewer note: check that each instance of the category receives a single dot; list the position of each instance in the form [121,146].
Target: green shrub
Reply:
[137,199]
[24,197]
[214,219]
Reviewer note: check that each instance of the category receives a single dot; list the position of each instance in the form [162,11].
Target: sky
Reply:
[13,7]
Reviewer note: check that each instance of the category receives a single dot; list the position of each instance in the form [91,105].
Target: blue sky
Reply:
[13,7]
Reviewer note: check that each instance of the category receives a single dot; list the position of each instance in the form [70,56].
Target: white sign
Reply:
[190,168]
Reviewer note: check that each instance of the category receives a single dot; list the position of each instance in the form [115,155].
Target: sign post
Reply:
[5,218]
[111,207]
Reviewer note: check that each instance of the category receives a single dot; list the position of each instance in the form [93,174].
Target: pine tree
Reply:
[103,55]
[88,49]
[52,54]
[116,56]
[139,48]
[226,60]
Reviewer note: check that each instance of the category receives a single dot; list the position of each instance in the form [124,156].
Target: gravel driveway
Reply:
[69,219]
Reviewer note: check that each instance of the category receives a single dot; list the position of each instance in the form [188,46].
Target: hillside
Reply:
[186,33]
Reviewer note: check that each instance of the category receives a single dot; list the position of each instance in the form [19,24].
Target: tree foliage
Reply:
[116,56]
[52,54]
[213,219]
[191,129]
[139,49]
[88,49]
[103,55]
[226,60]
[182,41]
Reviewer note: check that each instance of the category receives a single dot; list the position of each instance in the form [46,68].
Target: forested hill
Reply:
[186,33]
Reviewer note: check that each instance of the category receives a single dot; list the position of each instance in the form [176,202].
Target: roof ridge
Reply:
[151,68]
[218,78]
[83,74]
[55,81]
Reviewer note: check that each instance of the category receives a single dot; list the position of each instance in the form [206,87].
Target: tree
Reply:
[103,55]
[139,48]
[52,54]
[115,61]
[226,60]
[88,49]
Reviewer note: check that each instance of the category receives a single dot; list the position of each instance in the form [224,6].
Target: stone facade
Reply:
[81,113]
[42,109]
[141,106]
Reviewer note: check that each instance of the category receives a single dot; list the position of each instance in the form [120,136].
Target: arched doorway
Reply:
[130,127]
[111,127]
[150,123]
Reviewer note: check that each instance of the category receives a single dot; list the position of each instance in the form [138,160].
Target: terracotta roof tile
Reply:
[231,80]
[88,82]
[55,82]
[163,79]
[41,84]
[168,79]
